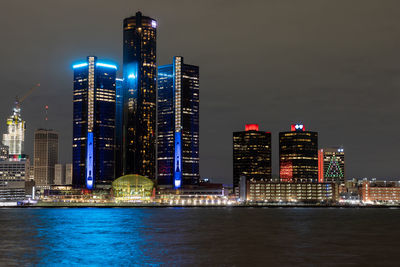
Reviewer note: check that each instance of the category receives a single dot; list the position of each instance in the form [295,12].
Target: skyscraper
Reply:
[59,174]
[331,165]
[251,154]
[298,155]
[178,124]
[119,111]
[139,118]
[14,138]
[45,156]
[93,123]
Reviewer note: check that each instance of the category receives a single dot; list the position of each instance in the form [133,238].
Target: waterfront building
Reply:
[13,175]
[3,152]
[178,124]
[139,96]
[15,136]
[298,155]
[264,191]
[59,174]
[331,165]
[251,154]
[45,156]
[94,123]
[119,112]
[133,188]
[380,192]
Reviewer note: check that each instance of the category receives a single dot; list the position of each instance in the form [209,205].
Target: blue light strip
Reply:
[178,161]
[89,162]
[106,65]
[79,65]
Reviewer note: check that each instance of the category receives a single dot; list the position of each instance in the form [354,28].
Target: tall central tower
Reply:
[139,96]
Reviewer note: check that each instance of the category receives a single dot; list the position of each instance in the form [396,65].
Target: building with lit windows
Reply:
[380,192]
[119,111]
[251,154]
[94,123]
[45,157]
[139,96]
[331,165]
[178,124]
[298,155]
[133,188]
[15,136]
[3,152]
[13,175]
[264,191]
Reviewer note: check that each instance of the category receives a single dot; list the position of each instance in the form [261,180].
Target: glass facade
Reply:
[298,155]
[132,188]
[178,124]
[251,154]
[119,104]
[93,123]
[331,165]
[45,156]
[139,96]
[15,136]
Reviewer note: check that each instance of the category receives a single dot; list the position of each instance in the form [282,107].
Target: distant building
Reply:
[331,165]
[298,155]
[12,179]
[381,192]
[45,156]
[263,191]
[15,136]
[59,174]
[251,154]
[140,95]
[3,152]
[178,124]
[68,174]
[94,123]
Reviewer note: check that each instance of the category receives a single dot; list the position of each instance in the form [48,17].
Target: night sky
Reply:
[332,65]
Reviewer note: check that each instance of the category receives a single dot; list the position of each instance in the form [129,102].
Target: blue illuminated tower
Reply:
[119,110]
[93,123]
[139,111]
[178,124]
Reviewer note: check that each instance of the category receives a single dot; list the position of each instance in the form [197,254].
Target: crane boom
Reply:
[20,100]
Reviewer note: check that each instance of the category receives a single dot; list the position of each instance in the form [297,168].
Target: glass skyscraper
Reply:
[331,165]
[251,154]
[119,109]
[93,123]
[139,96]
[298,155]
[178,124]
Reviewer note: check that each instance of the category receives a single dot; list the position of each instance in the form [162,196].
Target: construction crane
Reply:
[20,100]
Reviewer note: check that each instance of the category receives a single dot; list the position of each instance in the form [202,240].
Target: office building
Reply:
[331,165]
[3,152]
[119,111]
[139,74]
[380,192]
[13,175]
[298,155]
[178,124]
[15,136]
[251,154]
[45,157]
[94,123]
[59,174]
[68,174]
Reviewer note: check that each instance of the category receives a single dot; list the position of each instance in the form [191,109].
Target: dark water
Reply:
[199,237]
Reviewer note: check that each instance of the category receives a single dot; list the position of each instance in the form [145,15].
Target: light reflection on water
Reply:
[197,236]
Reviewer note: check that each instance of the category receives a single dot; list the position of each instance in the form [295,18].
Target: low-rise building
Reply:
[380,191]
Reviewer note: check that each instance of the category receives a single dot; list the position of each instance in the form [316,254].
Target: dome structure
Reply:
[132,188]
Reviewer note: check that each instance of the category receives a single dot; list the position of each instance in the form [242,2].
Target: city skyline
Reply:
[331,106]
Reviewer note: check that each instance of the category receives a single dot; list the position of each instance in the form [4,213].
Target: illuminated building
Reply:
[3,152]
[68,173]
[263,191]
[384,192]
[251,154]
[298,155]
[133,188]
[14,138]
[45,157]
[119,110]
[59,174]
[331,165]
[13,175]
[139,96]
[93,123]
[178,124]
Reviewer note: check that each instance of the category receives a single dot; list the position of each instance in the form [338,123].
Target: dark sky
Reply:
[333,65]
